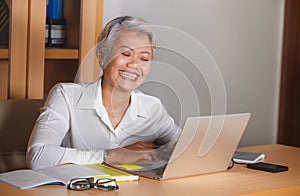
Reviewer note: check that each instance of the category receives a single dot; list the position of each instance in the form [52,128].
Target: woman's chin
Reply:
[127,87]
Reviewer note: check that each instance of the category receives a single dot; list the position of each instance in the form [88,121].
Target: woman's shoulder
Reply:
[148,105]
[141,96]
[70,85]
[69,89]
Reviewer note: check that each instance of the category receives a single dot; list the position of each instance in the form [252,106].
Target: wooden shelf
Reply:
[3,53]
[27,68]
[61,53]
[50,53]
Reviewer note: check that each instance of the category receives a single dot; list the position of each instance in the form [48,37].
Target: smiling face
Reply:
[130,63]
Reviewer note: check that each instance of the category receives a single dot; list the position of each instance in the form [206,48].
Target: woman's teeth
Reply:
[131,76]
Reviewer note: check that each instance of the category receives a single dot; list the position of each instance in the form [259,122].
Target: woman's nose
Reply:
[133,63]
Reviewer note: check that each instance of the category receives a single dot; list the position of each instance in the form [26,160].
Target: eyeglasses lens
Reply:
[80,184]
[106,184]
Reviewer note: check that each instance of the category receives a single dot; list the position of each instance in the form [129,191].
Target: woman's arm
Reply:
[45,144]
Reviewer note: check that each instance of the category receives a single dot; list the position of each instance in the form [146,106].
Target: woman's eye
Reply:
[145,59]
[125,54]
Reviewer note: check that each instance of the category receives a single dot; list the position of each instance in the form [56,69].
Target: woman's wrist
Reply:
[105,155]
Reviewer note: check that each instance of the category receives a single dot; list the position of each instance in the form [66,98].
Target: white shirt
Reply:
[74,126]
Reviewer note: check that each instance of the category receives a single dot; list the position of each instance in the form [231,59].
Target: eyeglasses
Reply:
[106,184]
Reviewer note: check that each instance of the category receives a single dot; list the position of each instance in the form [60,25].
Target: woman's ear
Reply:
[98,54]
[100,59]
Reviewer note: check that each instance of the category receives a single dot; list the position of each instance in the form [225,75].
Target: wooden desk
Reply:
[237,181]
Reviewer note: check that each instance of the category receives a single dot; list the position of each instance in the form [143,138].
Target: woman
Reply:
[108,120]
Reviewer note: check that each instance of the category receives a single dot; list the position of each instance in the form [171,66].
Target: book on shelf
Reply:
[55,34]
[26,178]
[247,157]
[120,176]
[55,9]
[4,23]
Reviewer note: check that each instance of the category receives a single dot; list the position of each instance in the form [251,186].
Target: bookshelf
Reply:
[50,53]
[27,68]
[57,53]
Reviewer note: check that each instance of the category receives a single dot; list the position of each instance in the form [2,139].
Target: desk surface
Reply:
[237,181]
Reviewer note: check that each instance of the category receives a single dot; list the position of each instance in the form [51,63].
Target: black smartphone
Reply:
[269,167]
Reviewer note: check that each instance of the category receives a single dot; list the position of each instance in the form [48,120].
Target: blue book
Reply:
[55,9]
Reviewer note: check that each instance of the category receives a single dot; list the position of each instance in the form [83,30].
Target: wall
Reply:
[243,38]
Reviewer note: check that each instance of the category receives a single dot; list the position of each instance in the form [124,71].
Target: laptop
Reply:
[206,145]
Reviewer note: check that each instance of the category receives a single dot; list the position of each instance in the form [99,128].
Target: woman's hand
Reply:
[131,153]
[140,146]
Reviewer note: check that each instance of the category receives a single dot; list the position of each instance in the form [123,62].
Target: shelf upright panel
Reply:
[18,24]
[36,49]
[90,19]
[3,79]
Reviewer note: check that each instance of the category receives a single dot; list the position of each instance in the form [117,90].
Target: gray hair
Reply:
[112,32]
